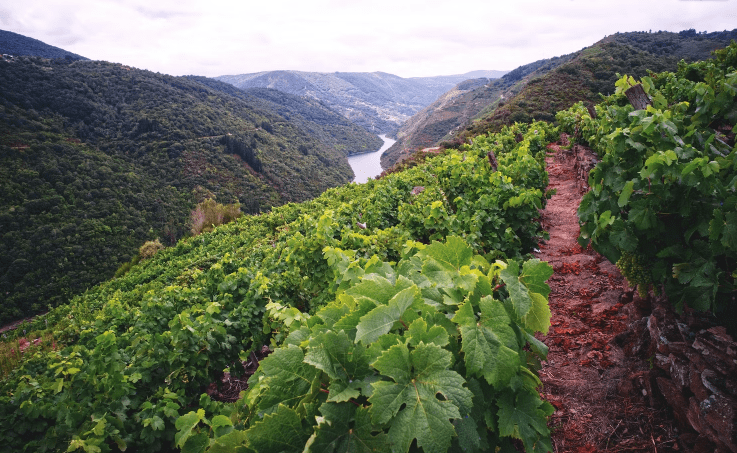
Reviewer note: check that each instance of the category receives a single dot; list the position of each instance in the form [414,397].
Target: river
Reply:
[368,165]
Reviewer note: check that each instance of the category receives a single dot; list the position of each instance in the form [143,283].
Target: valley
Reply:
[558,274]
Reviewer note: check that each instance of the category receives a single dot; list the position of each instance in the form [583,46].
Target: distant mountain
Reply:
[458,106]
[15,44]
[96,158]
[593,70]
[379,102]
[538,90]
[311,115]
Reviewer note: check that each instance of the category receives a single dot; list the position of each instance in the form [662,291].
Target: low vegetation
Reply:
[138,351]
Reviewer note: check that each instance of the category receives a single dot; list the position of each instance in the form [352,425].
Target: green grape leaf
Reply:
[518,293]
[535,274]
[344,390]
[332,313]
[185,424]
[197,443]
[281,430]
[335,354]
[537,346]
[484,353]
[290,379]
[378,289]
[411,401]
[453,254]
[624,197]
[538,318]
[523,416]
[468,435]
[349,322]
[345,428]
[495,317]
[419,333]
[438,273]
[221,425]
[233,442]
[381,319]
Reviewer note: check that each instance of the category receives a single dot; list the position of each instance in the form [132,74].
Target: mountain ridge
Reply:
[539,89]
[379,102]
[15,44]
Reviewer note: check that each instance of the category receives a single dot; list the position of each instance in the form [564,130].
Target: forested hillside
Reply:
[97,158]
[311,115]
[19,45]
[540,89]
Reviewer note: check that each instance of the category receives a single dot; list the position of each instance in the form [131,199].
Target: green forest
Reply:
[97,158]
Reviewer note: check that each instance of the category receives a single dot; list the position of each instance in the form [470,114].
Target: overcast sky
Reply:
[406,38]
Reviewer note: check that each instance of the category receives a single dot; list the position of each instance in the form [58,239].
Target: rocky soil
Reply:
[602,396]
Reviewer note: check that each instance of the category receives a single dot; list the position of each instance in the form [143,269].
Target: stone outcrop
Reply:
[698,378]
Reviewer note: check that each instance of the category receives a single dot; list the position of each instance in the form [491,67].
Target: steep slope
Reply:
[97,158]
[311,115]
[539,89]
[15,45]
[433,122]
[457,107]
[377,101]
[594,70]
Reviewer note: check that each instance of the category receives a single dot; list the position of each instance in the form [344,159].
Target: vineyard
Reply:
[662,203]
[403,314]
[423,275]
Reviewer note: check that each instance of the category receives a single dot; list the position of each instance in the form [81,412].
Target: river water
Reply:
[368,165]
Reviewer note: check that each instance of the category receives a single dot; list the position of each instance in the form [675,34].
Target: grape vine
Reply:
[665,188]
[140,349]
[635,269]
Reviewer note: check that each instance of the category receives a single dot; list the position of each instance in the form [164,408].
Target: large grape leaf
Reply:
[281,431]
[518,293]
[535,274]
[533,279]
[378,289]
[419,333]
[338,356]
[351,319]
[290,379]
[346,428]
[484,353]
[411,401]
[345,362]
[447,265]
[524,416]
[453,254]
[538,318]
[381,319]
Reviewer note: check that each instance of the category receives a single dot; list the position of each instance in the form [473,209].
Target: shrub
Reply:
[209,214]
[149,249]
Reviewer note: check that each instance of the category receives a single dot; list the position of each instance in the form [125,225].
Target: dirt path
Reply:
[600,394]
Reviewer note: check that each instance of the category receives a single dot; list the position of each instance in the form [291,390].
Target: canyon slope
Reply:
[377,101]
[537,90]
[96,158]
